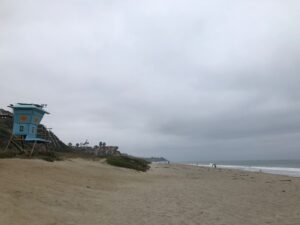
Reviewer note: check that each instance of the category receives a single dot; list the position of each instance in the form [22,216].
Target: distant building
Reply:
[107,151]
[5,114]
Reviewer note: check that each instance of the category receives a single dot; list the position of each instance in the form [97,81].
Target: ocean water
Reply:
[282,167]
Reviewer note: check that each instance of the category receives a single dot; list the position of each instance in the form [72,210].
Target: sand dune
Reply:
[35,192]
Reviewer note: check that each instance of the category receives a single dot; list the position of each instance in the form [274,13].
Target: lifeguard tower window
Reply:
[21,128]
[32,129]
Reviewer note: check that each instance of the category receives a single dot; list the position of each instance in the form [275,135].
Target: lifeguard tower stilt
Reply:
[26,117]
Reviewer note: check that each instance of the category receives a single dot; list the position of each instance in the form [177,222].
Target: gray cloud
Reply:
[182,79]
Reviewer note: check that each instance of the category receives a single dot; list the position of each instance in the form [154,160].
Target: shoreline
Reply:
[284,171]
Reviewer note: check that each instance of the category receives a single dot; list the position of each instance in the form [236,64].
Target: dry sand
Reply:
[35,192]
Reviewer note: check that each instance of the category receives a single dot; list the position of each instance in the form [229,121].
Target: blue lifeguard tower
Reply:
[26,120]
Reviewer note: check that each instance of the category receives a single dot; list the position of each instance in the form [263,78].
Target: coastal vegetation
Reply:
[129,162]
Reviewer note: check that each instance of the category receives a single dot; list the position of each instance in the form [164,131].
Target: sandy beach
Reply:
[85,192]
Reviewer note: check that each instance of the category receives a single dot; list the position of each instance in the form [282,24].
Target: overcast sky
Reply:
[187,80]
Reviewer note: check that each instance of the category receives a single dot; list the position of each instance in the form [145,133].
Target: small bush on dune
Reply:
[47,156]
[129,162]
[7,154]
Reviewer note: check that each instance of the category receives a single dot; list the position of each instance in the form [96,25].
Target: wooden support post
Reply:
[17,146]
[11,137]
[22,143]
[32,149]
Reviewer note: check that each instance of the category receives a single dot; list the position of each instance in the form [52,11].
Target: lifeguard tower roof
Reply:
[29,106]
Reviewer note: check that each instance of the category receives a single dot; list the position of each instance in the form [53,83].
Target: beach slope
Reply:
[86,192]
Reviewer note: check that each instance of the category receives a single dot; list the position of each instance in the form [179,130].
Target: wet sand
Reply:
[83,192]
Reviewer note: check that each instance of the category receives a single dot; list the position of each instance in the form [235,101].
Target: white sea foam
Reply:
[295,172]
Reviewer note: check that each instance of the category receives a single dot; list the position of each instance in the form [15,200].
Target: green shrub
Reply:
[7,154]
[129,162]
[47,156]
